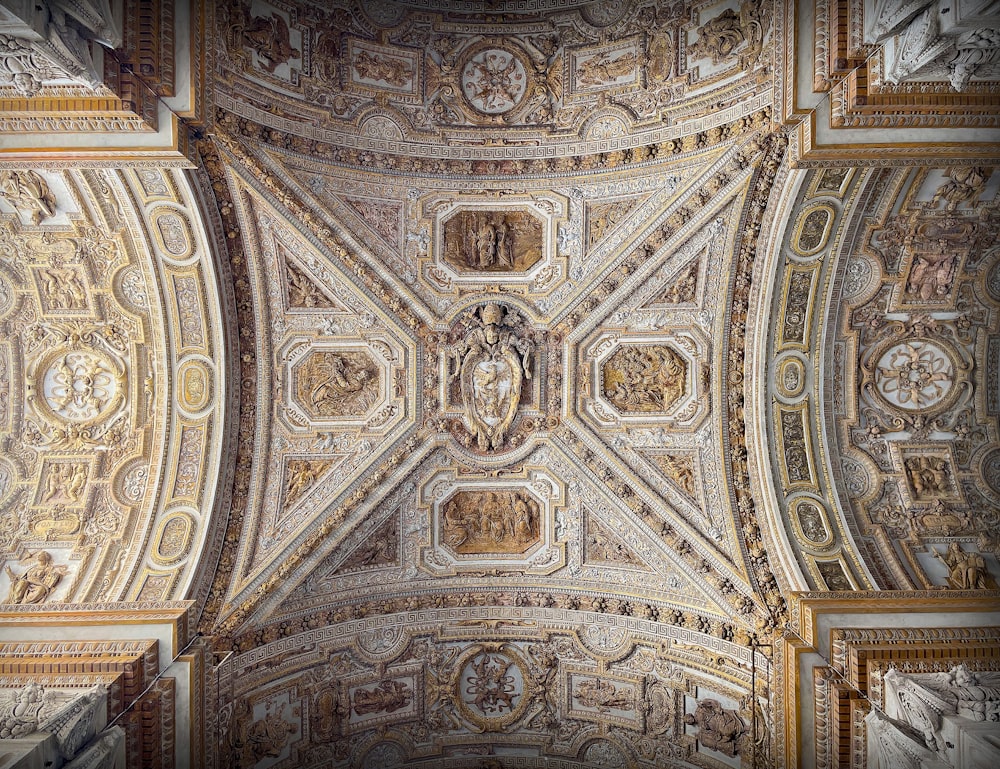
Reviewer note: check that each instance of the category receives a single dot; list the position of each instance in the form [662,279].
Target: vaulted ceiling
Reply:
[498,373]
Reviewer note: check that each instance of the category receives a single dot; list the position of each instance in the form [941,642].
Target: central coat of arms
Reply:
[491,363]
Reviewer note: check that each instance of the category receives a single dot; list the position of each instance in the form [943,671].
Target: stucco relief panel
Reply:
[480,524]
[652,378]
[344,383]
[373,68]
[477,242]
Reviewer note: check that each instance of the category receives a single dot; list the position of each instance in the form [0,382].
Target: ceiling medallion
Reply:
[494,79]
[78,389]
[915,375]
[493,687]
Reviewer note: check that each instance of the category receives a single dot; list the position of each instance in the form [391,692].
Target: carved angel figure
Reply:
[253,740]
[385,69]
[721,36]
[600,694]
[602,69]
[267,36]
[343,386]
[28,191]
[20,713]
[964,185]
[931,275]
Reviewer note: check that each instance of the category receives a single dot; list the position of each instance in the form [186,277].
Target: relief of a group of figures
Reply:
[490,521]
[493,241]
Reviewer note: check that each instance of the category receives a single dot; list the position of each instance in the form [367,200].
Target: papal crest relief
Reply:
[491,364]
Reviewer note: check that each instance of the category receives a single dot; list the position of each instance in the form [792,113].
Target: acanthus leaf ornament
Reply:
[491,363]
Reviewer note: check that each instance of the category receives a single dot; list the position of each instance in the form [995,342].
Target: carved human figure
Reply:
[63,288]
[37,583]
[964,185]
[387,697]
[718,728]
[377,550]
[919,700]
[301,476]
[504,255]
[660,56]
[268,37]
[929,476]
[967,570]
[387,69]
[603,70]
[28,191]
[64,483]
[932,274]
[456,525]
[302,292]
[602,695]
[342,387]
[932,38]
[523,524]
[486,245]
[721,36]
[639,378]
[254,740]
[489,521]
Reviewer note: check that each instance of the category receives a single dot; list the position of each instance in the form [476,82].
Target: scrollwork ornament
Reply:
[914,375]
[856,478]
[859,277]
[133,288]
[381,643]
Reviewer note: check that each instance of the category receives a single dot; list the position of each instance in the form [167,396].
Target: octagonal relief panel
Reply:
[482,239]
[489,524]
[658,378]
[337,383]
